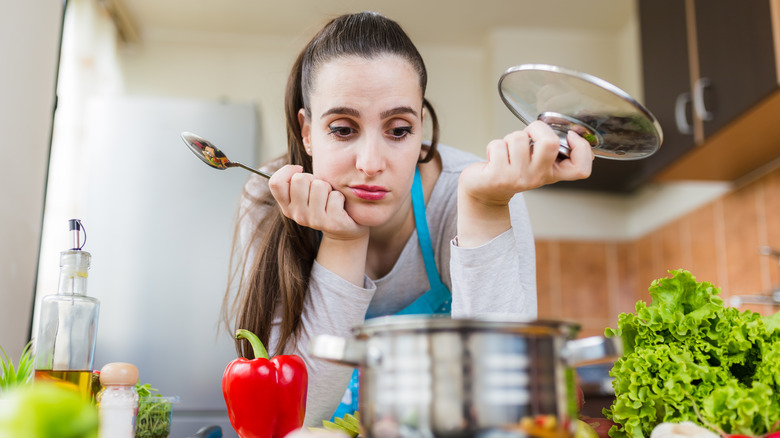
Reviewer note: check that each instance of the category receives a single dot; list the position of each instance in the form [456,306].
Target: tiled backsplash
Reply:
[592,282]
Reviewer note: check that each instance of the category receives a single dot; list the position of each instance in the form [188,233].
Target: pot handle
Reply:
[593,350]
[338,350]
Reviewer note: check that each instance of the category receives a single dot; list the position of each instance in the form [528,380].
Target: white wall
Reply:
[29,40]
[253,69]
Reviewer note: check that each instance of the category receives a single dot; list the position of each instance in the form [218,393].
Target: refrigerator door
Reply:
[159,226]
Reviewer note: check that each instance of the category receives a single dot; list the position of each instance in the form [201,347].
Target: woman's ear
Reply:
[305,130]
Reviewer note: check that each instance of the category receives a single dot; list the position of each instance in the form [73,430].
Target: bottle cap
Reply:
[76,227]
[119,373]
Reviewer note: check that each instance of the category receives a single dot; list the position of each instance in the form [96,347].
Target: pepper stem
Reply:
[257,346]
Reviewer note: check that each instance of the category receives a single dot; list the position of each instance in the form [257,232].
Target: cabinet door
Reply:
[736,54]
[666,76]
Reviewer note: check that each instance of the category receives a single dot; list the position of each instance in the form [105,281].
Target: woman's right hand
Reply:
[313,203]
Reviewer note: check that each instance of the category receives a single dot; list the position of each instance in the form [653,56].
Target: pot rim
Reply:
[493,323]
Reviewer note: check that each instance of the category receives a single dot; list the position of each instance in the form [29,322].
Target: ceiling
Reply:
[427,21]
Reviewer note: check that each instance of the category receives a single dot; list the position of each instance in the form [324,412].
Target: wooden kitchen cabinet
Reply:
[667,79]
[705,65]
[738,51]
[736,57]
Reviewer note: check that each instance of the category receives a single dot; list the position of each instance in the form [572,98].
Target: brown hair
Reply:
[276,281]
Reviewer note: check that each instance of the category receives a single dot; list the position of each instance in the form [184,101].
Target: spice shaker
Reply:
[118,400]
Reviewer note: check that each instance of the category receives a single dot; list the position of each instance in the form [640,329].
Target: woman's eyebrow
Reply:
[383,115]
[397,111]
[342,110]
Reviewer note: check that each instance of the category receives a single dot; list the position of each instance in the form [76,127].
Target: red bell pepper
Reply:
[265,398]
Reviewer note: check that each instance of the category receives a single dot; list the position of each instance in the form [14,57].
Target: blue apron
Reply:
[437,301]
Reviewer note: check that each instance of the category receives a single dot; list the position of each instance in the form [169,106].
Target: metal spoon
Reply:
[209,154]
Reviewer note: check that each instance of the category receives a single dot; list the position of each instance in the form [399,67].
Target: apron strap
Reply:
[438,299]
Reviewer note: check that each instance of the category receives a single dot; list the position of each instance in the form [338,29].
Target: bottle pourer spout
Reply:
[75,227]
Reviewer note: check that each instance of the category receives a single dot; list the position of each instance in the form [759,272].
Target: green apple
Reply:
[45,410]
[583,430]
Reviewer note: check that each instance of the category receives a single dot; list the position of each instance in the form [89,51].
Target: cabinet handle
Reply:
[679,113]
[698,99]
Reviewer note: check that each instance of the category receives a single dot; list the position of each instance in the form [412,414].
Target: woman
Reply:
[361,219]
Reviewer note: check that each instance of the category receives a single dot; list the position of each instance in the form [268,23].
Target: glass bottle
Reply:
[118,400]
[67,329]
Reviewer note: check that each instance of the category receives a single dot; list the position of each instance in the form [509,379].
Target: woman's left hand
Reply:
[514,165]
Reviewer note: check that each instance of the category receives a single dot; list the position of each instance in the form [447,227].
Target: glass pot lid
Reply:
[616,125]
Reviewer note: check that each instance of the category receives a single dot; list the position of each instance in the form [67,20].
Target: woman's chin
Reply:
[370,221]
[368,217]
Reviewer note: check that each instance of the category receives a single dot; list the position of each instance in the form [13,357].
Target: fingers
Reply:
[279,183]
[546,143]
[528,159]
[334,203]
[311,202]
[518,148]
[308,198]
[300,196]
[497,153]
[580,162]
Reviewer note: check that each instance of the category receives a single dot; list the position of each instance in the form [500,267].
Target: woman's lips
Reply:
[369,193]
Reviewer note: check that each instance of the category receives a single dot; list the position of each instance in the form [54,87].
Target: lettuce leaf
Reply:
[688,357]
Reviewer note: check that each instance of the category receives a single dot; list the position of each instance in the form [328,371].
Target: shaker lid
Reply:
[119,373]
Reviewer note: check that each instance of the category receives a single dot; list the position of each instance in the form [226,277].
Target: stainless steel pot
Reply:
[441,377]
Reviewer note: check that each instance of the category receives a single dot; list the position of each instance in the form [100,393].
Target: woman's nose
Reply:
[370,157]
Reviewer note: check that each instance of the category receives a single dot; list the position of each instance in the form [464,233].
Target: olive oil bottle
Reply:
[67,330]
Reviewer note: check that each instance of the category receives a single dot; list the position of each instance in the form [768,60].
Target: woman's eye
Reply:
[400,132]
[340,131]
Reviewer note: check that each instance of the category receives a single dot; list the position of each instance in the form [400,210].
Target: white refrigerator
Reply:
[159,226]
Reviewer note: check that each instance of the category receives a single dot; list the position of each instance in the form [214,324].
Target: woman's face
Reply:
[365,133]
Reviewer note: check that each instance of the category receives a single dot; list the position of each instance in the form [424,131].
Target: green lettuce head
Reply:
[688,357]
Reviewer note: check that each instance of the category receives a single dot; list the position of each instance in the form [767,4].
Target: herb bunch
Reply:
[11,376]
[154,413]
